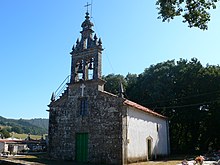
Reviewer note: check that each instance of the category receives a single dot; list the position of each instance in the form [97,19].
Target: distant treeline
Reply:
[32,126]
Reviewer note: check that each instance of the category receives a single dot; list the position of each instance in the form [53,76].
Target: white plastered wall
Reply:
[3,147]
[142,126]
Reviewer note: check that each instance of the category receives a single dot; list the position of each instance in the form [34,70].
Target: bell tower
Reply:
[86,55]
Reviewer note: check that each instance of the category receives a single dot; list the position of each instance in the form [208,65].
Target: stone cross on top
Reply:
[82,87]
[87,6]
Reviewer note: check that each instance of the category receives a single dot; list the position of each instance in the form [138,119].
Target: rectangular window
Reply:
[83,107]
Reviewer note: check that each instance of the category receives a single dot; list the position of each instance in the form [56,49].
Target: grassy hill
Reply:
[23,126]
[39,122]
[24,136]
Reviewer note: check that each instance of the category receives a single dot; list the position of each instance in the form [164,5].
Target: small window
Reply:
[157,127]
[91,69]
[83,107]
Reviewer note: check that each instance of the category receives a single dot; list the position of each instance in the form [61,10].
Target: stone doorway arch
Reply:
[149,142]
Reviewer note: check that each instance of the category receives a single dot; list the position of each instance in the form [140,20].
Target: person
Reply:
[199,160]
[184,162]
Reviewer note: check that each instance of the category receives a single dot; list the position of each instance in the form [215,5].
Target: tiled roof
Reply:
[142,108]
[9,141]
[22,141]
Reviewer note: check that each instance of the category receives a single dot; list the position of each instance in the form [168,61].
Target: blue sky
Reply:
[36,38]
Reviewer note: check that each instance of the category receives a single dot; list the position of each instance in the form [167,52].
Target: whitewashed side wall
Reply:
[142,126]
[3,147]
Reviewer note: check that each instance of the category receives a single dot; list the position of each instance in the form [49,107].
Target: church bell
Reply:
[90,64]
[80,69]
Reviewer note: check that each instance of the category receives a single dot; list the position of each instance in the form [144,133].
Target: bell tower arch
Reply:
[86,55]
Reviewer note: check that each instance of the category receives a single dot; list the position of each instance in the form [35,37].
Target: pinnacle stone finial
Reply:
[100,41]
[77,41]
[73,48]
[53,97]
[121,90]
[95,37]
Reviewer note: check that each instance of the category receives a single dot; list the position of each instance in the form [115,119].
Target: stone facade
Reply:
[86,123]
[102,121]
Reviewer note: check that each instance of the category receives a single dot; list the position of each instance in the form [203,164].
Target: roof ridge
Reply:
[109,93]
[143,108]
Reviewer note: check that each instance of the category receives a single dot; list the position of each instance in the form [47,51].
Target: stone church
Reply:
[88,124]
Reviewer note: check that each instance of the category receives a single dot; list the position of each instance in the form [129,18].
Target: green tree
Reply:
[131,80]
[4,133]
[17,129]
[113,83]
[194,12]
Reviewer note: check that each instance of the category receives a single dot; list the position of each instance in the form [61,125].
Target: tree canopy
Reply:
[188,93]
[194,12]
[4,133]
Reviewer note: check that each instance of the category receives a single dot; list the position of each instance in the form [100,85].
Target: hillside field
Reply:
[24,136]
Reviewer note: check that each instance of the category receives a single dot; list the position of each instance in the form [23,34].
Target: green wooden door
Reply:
[81,147]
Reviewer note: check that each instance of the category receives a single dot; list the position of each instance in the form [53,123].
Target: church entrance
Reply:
[82,147]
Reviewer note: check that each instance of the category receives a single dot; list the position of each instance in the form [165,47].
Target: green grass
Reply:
[43,159]
[2,127]
[24,136]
